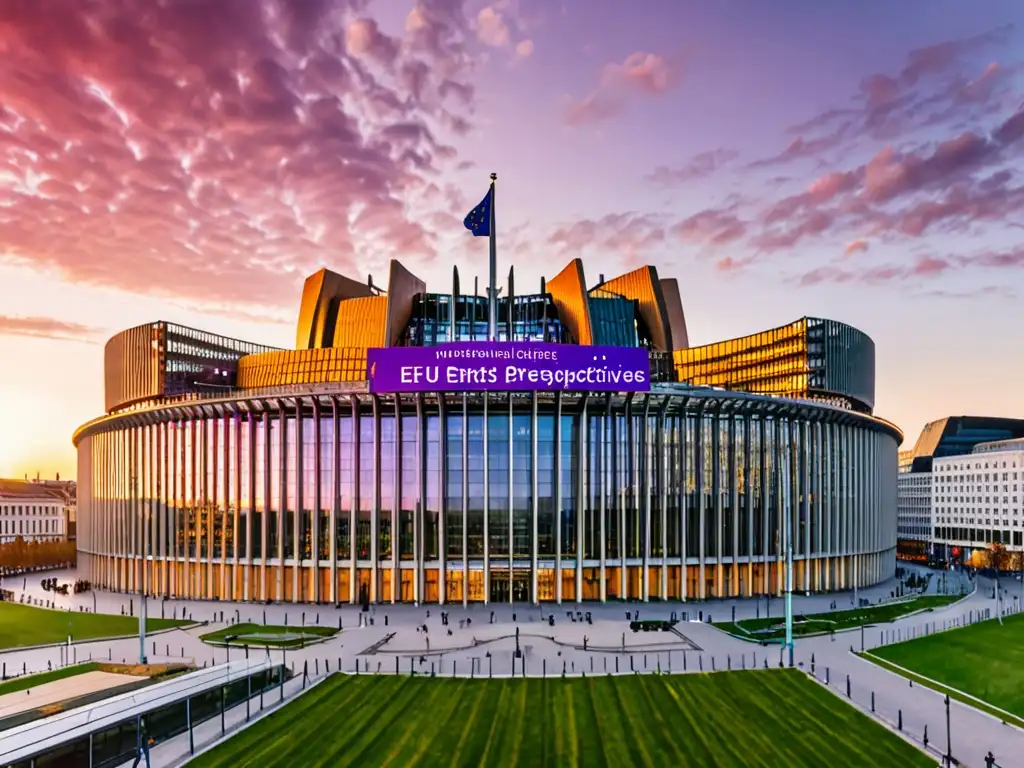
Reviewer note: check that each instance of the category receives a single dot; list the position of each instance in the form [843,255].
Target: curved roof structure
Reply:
[340,318]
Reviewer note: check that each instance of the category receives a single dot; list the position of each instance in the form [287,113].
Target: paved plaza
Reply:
[482,640]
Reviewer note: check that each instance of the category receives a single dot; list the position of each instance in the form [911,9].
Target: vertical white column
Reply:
[643,508]
[353,513]
[314,570]
[375,576]
[465,499]
[748,505]
[698,468]
[419,555]
[535,597]
[602,442]
[582,497]
[487,505]
[511,499]
[665,446]
[579,506]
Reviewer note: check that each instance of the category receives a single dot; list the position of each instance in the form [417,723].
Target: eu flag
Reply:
[478,221]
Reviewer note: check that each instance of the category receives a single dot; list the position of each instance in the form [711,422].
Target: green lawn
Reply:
[725,719]
[985,660]
[22,625]
[260,635]
[821,623]
[25,682]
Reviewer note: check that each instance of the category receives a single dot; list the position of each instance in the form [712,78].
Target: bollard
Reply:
[645,661]
[684,661]
[827,676]
[728,661]
[616,665]
[563,667]
[453,667]
[872,701]
[631,669]
[591,663]
[743,660]
[812,663]
[544,668]
[700,663]
[713,664]
[396,665]
[755,659]
[316,667]
[899,720]
[167,649]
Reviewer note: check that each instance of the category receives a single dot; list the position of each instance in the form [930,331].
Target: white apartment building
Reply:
[977,498]
[914,506]
[32,511]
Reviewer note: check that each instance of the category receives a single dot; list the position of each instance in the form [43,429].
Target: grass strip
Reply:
[953,693]
[27,625]
[806,625]
[259,635]
[703,720]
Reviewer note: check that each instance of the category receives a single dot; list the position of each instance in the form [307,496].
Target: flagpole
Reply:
[492,293]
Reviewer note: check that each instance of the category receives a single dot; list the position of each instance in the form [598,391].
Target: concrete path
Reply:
[485,643]
[61,690]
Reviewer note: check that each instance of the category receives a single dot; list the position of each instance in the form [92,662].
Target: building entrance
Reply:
[517,587]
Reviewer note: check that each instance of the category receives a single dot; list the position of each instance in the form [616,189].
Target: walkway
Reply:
[396,637]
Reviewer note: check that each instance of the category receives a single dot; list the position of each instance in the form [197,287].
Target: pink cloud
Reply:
[890,105]
[699,166]
[646,73]
[922,268]
[628,234]
[715,227]
[237,152]
[364,38]
[592,109]
[46,328]
[491,27]
[856,246]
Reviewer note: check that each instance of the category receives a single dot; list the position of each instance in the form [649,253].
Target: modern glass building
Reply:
[300,484]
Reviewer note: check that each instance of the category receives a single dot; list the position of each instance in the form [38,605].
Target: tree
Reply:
[999,558]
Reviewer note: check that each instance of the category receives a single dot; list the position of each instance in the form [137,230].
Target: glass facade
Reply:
[327,496]
[810,359]
[520,318]
[164,360]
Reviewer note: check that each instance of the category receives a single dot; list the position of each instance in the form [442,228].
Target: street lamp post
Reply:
[136,508]
[949,747]
[788,523]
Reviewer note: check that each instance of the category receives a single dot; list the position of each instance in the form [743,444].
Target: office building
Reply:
[405,452]
[951,436]
[977,503]
[31,511]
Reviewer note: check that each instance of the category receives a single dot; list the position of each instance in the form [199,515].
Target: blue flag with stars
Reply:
[478,221]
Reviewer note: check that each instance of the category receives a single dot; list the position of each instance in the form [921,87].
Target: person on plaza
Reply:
[145,741]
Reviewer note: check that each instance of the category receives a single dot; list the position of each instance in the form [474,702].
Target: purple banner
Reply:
[518,366]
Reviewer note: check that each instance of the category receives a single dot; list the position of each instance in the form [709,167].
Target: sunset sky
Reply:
[193,161]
